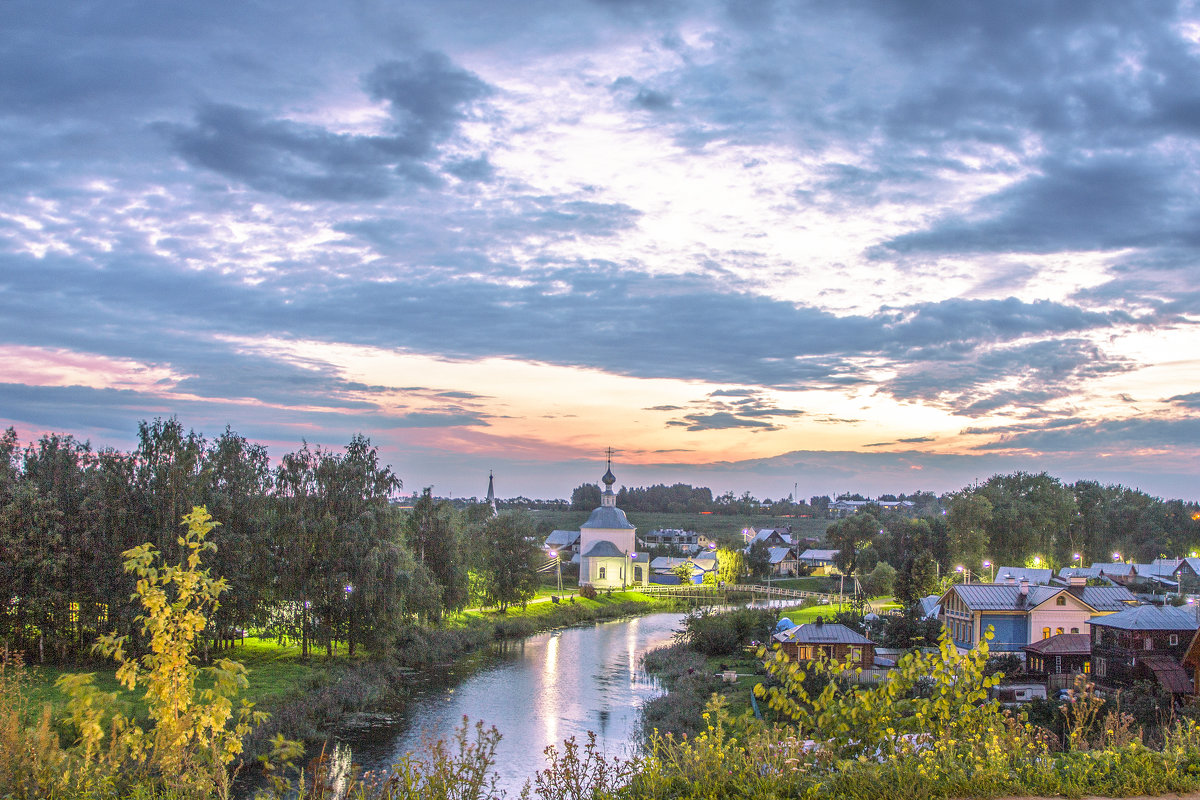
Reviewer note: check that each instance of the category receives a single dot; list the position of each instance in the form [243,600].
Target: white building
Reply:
[608,557]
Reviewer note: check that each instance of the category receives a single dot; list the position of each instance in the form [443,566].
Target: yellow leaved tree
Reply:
[197,733]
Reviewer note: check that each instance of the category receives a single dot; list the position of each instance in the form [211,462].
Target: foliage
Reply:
[434,534]
[757,559]
[951,701]
[506,558]
[724,633]
[732,565]
[916,580]
[849,537]
[880,580]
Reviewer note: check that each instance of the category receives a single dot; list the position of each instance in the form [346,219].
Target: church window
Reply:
[603,573]
[1074,630]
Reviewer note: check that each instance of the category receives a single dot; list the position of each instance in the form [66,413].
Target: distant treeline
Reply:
[683,498]
[312,549]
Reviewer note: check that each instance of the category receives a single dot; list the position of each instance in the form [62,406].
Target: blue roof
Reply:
[825,633]
[608,517]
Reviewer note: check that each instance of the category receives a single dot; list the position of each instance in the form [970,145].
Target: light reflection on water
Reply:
[536,692]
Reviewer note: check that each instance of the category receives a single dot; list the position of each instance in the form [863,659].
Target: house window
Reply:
[1058,630]
[1062,601]
[1058,665]
[856,654]
[1045,633]
[1174,639]
[1087,668]
[603,573]
[802,653]
[1101,667]
[1074,630]
[1147,643]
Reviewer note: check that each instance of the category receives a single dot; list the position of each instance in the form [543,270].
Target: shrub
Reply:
[724,633]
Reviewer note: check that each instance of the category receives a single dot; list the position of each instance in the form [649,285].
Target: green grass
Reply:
[549,609]
[275,672]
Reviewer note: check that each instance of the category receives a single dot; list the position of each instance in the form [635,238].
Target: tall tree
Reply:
[434,533]
[507,558]
[851,536]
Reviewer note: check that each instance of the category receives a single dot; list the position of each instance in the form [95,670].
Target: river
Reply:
[536,692]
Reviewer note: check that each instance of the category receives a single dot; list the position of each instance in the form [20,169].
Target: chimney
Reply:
[1076,580]
[1024,590]
[1009,579]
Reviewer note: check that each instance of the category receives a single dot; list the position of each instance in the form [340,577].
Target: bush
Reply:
[724,633]
[587,591]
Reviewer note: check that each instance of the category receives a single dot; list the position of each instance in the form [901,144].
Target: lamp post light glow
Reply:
[991,571]
[1078,557]
[1116,556]
[557,567]
[961,570]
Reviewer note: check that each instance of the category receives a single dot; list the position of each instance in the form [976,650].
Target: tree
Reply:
[970,516]
[731,566]
[585,497]
[507,559]
[683,571]
[434,533]
[917,579]
[850,536]
[758,559]
[880,580]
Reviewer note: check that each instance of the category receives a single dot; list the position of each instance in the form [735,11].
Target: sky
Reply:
[777,247]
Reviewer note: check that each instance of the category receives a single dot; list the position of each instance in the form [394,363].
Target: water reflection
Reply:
[536,692]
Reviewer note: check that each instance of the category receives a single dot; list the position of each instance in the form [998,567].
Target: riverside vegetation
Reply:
[928,731]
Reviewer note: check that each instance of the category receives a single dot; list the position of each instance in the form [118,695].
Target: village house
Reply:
[828,639]
[819,561]
[673,537]
[1061,654]
[1036,576]
[1187,575]
[783,561]
[1144,643]
[1020,613]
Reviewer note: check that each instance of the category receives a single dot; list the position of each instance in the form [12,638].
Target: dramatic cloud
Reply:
[514,234]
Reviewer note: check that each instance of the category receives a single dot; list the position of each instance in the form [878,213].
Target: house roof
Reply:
[931,605]
[821,633]
[778,554]
[1113,567]
[562,538]
[1192,563]
[1038,576]
[1149,618]
[603,548]
[1107,598]
[819,555]
[609,518]
[1169,672]
[1063,644]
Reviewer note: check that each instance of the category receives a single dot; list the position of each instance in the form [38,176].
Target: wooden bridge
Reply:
[700,590]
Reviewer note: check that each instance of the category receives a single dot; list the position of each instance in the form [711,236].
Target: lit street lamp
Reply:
[1116,556]
[1078,557]
[991,571]
[557,567]
[960,569]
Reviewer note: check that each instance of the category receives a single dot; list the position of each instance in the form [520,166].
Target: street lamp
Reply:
[991,571]
[1116,556]
[1078,557]
[557,567]
[960,569]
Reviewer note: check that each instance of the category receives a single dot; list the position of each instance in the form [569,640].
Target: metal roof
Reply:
[609,518]
[819,555]
[560,538]
[1039,576]
[1063,644]
[1149,618]
[1169,672]
[825,633]
[603,548]
[778,554]
[1108,598]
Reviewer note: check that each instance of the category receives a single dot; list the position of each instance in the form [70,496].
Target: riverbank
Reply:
[307,697]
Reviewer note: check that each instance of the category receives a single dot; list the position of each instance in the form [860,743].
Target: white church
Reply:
[608,557]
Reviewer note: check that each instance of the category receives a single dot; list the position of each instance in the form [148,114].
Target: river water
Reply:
[536,692]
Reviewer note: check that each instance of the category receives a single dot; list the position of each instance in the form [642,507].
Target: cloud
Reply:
[720,420]
[426,98]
